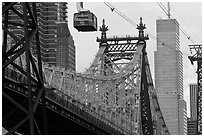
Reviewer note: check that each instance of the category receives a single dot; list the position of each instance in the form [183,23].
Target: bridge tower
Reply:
[116,56]
[117,86]
[121,49]
[18,58]
[198,57]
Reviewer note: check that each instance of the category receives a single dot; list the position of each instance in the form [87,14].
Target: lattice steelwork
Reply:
[198,57]
[18,56]
[118,85]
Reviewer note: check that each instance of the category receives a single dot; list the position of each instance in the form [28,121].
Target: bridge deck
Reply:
[63,116]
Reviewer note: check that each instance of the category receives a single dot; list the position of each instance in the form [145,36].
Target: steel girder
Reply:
[199,98]
[118,86]
[198,57]
[159,125]
[145,109]
[18,34]
[114,96]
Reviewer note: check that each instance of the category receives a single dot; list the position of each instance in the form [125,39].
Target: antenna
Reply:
[169,15]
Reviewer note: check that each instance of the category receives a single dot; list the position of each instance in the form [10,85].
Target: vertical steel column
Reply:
[34,83]
[198,57]
[103,30]
[30,104]
[145,110]
[146,116]
[199,98]
[44,112]
[4,39]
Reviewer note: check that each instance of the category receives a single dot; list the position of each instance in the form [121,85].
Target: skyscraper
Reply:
[50,16]
[193,107]
[66,50]
[169,76]
[191,126]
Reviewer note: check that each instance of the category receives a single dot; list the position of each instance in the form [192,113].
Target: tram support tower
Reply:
[198,58]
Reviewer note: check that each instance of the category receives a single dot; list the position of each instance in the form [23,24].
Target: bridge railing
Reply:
[79,109]
[123,36]
[84,111]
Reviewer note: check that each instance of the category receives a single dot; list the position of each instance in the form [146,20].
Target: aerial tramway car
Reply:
[84,20]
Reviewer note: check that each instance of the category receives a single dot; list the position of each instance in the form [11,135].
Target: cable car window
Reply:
[85,21]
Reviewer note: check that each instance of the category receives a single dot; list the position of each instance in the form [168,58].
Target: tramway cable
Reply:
[180,27]
[134,24]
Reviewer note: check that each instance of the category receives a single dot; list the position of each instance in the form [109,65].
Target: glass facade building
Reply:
[191,126]
[193,106]
[169,76]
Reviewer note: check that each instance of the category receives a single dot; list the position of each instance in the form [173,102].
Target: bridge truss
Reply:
[118,85]
[17,55]
[198,57]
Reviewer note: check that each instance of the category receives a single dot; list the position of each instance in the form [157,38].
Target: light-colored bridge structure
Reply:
[117,89]
[112,85]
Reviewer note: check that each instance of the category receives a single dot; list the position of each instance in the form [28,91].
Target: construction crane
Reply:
[198,57]
[84,20]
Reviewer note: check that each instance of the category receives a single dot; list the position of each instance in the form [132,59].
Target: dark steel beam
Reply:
[13,58]
[161,120]
[44,112]
[13,111]
[14,102]
[35,70]
[17,126]
[37,100]
[5,33]
[7,6]
[13,35]
[23,72]
[114,51]
[4,40]
[15,11]
[128,39]
[17,24]
[145,111]
[199,98]
[37,127]
[11,51]
[14,23]
[29,25]
[31,15]
[121,44]
[28,71]
[198,58]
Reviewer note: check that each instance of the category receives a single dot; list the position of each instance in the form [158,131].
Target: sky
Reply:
[188,14]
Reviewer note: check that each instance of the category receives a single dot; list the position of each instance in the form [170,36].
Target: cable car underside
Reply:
[85,21]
